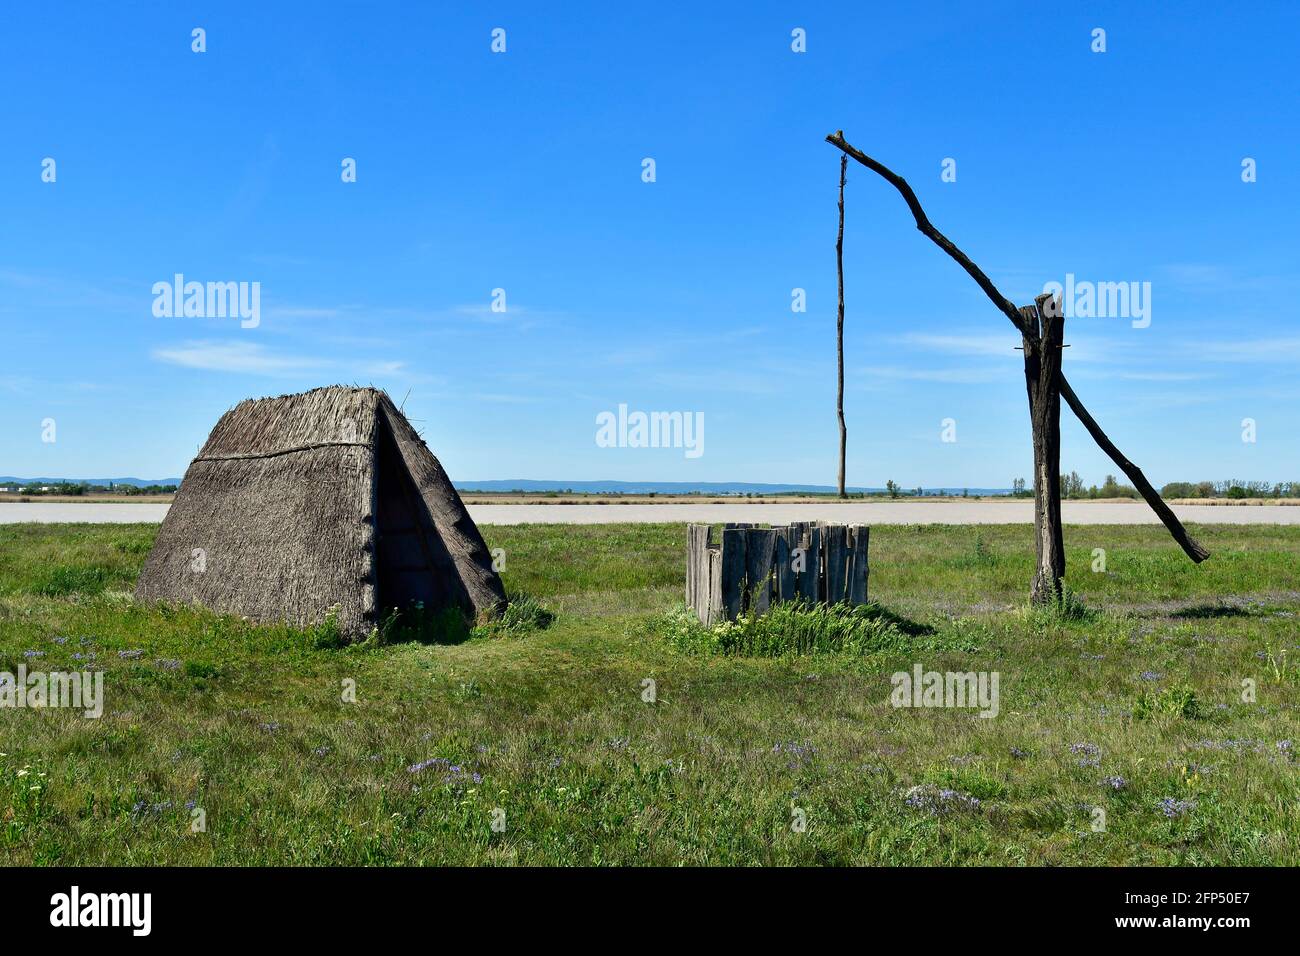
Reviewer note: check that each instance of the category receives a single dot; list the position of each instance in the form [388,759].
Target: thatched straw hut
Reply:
[325,499]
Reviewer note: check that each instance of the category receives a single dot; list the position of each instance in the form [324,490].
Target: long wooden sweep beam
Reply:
[1189,544]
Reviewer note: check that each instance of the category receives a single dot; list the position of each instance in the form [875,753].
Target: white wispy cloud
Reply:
[999,345]
[303,312]
[1280,349]
[957,376]
[1137,375]
[756,382]
[246,357]
[1097,344]
[252,358]
[1197,274]
[1162,376]
[1201,278]
[483,312]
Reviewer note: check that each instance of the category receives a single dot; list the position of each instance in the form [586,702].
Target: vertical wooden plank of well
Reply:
[866,558]
[866,563]
[758,568]
[848,564]
[713,598]
[799,540]
[822,545]
[785,581]
[732,581]
[796,543]
[704,596]
[810,576]
[836,559]
[858,565]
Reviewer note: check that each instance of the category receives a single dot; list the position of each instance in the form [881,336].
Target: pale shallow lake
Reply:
[902,512]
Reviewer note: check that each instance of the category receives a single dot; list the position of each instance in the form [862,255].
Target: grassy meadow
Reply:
[1130,702]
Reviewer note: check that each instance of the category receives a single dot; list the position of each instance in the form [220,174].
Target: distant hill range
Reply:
[690,487]
[579,487]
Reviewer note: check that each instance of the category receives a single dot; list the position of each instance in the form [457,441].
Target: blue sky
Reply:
[523,171]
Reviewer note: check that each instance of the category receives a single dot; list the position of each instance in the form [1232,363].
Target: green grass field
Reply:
[1134,707]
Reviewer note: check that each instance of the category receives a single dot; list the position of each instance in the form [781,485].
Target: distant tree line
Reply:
[1233,488]
[1072,487]
[81,488]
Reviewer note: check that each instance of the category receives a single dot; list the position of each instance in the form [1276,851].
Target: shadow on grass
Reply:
[1209,611]
[417,624]
[523,614]
[906,625]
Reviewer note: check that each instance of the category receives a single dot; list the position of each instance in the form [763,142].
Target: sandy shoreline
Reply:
[850,512]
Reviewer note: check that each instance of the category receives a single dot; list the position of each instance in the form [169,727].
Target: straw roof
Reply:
[322,499]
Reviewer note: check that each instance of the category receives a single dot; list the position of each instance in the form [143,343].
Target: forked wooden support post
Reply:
[1043,330]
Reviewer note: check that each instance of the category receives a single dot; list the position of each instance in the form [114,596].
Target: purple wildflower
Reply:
[938,800]
[143,808]
[798,754]
[424,765]
[1089,754]
[1172,808]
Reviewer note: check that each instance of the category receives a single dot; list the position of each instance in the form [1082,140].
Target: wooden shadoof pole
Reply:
[1044,329]
[839,324]
[1189,544]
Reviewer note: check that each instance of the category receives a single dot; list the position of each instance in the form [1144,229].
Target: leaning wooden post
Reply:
[1042,332]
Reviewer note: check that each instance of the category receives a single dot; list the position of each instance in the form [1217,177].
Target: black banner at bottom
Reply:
[335,905]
